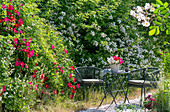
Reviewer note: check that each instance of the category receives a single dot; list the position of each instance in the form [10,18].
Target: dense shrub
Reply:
[94,30]
[34,62]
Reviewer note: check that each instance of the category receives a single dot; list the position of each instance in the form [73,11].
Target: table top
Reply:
[103,72]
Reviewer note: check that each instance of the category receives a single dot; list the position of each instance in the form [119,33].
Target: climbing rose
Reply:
[52,47]
[78,85]
[15,11]
[65,51]
[18,13]
[73,91]
[10,7]
[42,76]
[9,13]
[20,32]
[75,79]
[15,31]
[27,43]
[3,88]
[69,75]
[29,40]
[30,83]
[6,19]
[16,25]
[36,87]
[74,87]
[27,67]
[17,63]
[72,68]
[3,6]
[1,93]
[12,17]
[22,64]
[20,21]
[1,20]
[46,86]
[37,54]
[54,91]
[69,85]
[33,76]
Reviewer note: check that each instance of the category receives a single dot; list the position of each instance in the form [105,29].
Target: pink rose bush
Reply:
[36,67]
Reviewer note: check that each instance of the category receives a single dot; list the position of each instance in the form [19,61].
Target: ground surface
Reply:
[112,108]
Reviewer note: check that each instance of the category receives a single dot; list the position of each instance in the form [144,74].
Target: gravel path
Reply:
[112,108]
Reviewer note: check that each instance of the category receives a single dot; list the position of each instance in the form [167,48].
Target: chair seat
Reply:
[92,81]
[140,83]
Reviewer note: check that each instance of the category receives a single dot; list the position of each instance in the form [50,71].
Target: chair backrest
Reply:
[87,73]
[138,74]
[152,74]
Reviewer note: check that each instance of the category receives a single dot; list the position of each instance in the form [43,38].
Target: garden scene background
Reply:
[43,41]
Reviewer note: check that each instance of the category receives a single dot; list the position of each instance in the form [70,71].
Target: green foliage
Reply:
[162,98]
[96,29]
[167,63]
[162,15]
[44,73]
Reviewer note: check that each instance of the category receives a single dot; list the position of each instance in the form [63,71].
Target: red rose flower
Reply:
[72,68]
[46,86]
[78,85]
[54,91]
[12,17]
[15,11]
[69,85]
[69,75]
[74,87]
[33,76]
[1,20]
[73,91]
[16,25]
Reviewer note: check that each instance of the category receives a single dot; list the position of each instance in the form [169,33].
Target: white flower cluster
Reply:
[141,14]
[112,61]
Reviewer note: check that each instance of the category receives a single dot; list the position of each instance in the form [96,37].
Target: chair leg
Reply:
[83,92]
[141,97]
[126,98]
[144,92]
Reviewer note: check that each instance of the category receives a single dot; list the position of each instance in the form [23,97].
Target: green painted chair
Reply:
[143,78]
[88,76]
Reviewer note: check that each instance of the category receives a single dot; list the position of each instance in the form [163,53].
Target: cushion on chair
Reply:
[140,82]
[92,81]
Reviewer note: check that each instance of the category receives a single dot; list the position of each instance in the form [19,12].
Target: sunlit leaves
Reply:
[159,2]
[152,32]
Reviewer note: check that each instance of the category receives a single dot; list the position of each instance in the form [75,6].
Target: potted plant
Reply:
[115,62]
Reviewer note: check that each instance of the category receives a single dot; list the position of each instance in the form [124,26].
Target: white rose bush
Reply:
[93,33]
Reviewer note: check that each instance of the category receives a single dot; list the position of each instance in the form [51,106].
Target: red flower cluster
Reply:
[12,18]
[149,102]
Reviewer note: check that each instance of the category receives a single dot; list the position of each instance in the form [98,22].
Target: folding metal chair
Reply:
[88,76]
[145,77]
